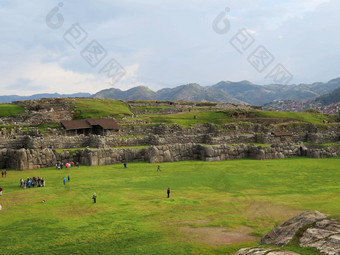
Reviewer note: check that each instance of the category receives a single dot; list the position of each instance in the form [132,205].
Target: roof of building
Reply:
[104,123]
[282,133]
[88,123]
[75,124]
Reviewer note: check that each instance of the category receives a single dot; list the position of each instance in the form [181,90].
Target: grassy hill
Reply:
[211,203]
[221,117]
[7,110]
[97,108]
[330,98]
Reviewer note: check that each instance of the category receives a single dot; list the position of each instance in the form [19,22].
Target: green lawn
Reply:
[133,215]
[98,108]
[7,110]
[223,117]
[186,119]
[151,108]
[301,116]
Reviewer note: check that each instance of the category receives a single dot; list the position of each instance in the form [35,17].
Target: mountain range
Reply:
[243,92]
[11,98]
[226,91]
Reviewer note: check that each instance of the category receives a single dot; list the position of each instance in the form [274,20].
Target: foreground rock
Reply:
[262,251]
[284,233]
[311,229]
[324,236]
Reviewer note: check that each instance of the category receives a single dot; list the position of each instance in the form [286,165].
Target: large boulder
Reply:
[312,228]
[284,233]
[324,236]
[263,251]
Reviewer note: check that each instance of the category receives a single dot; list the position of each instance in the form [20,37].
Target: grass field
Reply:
[223,117]
[301,116]
[214,208]
[186,119]
[7,110]
[98,108]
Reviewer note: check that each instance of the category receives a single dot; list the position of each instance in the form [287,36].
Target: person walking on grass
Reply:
[168,192]
[64,180]
[159,168]
[5,172]
[2,173]
[68,178]
[0,191]
[94,197]
[125,165]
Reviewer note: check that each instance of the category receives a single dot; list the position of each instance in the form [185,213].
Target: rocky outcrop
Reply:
[310,228]
[263,251]
[284,233]
[324,236]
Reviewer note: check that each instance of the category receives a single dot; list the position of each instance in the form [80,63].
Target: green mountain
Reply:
[136,93]
[330,98]
[196,93]
[259,95]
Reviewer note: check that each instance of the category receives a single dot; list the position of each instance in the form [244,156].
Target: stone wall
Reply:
[23,159]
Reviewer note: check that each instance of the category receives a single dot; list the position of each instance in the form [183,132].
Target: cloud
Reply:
[164,44]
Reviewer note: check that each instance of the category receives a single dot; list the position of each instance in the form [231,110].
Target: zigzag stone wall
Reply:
[24,159]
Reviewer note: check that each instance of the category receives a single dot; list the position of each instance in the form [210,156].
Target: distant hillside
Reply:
[11,98]
[190,92]
[195,93]
[330,98]
[227,91]
[243,92]
[136,93]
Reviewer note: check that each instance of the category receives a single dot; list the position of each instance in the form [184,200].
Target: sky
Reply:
[86,46]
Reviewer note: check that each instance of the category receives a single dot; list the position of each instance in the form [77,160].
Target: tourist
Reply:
[68,178]
[0,191]
[61,165]
[42,182]
[64,180]
[2,173]
[124,164]
[77,164]
[94,197]
[5,172]
[29,182]
[21,183]
[168,192]
[159,168]
[25,184]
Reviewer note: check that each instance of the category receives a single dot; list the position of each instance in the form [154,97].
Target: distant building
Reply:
[90,126]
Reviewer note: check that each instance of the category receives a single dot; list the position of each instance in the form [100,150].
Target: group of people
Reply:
[68,178]
[4,173]
[60,165]
[32,182]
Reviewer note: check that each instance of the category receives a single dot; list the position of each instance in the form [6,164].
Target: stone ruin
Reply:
[22,150]
[310,228]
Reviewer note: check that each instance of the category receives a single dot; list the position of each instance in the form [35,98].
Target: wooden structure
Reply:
[90,126]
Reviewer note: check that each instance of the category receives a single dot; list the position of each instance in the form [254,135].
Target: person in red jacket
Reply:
[0,191]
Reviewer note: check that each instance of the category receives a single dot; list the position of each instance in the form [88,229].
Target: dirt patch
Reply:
[257,209]
[217,236]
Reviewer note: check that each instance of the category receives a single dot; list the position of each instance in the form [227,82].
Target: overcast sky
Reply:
[162,43]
